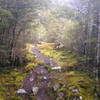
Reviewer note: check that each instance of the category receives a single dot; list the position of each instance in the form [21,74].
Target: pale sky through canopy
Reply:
[62,2]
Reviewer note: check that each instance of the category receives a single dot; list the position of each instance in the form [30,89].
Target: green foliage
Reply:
[39,62]
[5,18]
[4,53]
[71,79]
[14,73]
[19,78]
[30,57]
[4,12]
[83,83]
[62,57]
[46,46]
[10,82]
[30,66]
[1,97]
[2,88]
[15,98]
[75,80]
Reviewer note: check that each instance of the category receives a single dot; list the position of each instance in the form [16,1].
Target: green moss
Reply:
[62,57]
[39,62]
[47,46]
[83,83]
[5,13]
[11,79]
[2,88]
[30,66]
[14,73]
[15,98]
[10,82]
[30,57]
[19,78]
[1,98]
[74,79]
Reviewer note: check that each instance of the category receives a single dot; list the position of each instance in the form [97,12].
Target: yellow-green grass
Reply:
[11,79]
[10,82]
[62,58]
[72,79]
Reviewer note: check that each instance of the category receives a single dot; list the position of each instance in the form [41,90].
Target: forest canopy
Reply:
[71,22]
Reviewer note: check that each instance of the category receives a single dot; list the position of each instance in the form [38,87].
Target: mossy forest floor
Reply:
[71,78]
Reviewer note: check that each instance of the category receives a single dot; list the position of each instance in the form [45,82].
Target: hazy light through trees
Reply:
[62,2]
[64,34]
[75,4]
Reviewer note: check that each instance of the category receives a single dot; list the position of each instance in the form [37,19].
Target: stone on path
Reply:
[35,90]
[56,68]
[21,91]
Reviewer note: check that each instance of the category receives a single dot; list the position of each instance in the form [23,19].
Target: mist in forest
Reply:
[49,49]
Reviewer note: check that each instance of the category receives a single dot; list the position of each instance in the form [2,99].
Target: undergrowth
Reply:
[11,79]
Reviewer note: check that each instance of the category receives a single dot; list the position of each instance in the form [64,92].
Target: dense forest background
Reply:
[74,25]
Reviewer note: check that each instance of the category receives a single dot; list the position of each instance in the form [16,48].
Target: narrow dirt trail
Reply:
[30,81]
[40,56]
